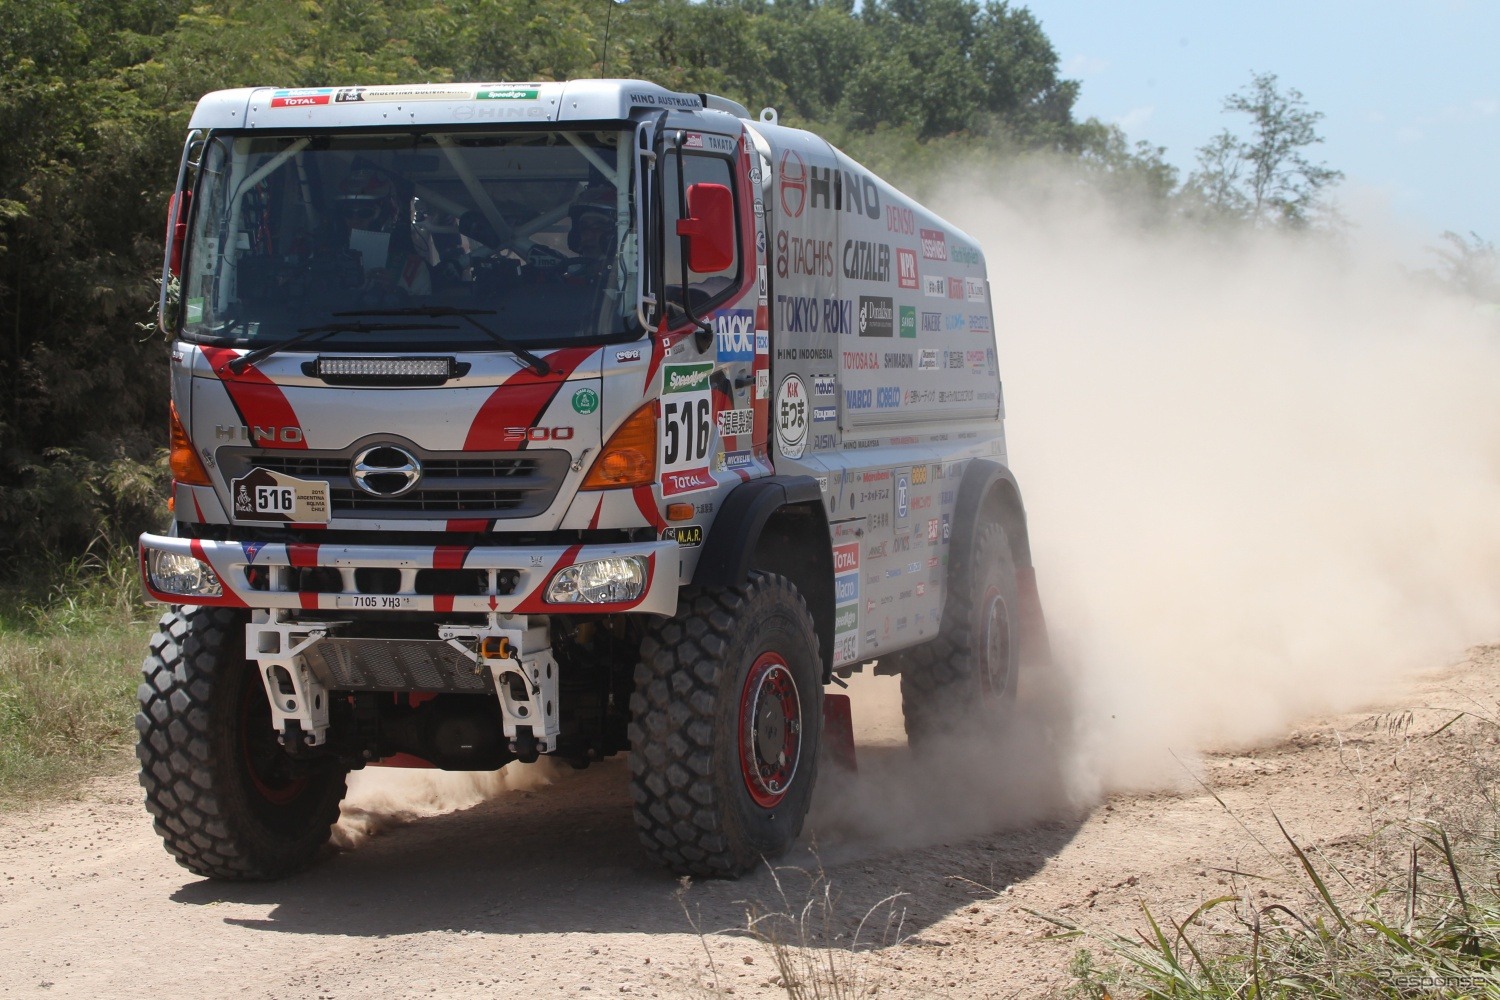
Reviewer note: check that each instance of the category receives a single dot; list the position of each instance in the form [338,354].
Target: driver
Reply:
[378,226]
[591,235]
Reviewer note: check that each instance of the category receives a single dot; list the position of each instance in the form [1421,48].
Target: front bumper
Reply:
[403,578]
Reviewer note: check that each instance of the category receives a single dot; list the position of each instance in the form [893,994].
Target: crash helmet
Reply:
[366,200]
[592,215]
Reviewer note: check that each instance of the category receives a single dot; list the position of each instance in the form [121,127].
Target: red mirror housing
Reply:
[177,216]
[709,227]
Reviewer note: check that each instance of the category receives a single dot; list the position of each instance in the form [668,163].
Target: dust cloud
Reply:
[1263,478]
[380,798]
[1263,482]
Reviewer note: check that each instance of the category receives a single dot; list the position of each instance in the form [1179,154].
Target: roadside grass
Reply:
[70,655]
[818,951]
[1423,921]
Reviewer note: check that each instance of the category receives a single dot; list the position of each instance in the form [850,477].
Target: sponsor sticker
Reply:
[824,385]
[734,329]
[846,618]
[793,184]
[823,414]
[301,98]
[634,354]
[974,289]
[688,536]
[506,94]
[876,316]
[934,244]
[935,286]
[734,422]
[927,359]
[271,497]
[585,401]
[846,558]
[909,321]
[762,384]
[791,416]
[906,268]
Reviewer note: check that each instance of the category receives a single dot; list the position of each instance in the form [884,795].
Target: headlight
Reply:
[599,581]
[174,573]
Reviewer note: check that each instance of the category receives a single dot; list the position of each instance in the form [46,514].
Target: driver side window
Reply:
[704,287]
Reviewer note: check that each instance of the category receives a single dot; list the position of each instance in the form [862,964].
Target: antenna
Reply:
[604,54]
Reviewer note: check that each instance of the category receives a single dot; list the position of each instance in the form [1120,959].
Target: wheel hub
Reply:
[770,736]
[994,642]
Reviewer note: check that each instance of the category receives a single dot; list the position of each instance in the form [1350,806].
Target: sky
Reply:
[1410,91]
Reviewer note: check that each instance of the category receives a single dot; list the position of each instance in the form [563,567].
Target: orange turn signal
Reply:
[629,458]
[679,512]
[186,466]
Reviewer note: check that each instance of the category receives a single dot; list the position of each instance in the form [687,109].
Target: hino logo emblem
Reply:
[386,471]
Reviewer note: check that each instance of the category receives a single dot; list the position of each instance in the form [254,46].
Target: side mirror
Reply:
[177,224]
[709,227]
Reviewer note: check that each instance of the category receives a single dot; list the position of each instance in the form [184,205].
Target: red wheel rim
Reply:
[994,643]
[770,731]
[265,760]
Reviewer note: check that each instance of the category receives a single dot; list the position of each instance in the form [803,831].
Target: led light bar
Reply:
[385,367]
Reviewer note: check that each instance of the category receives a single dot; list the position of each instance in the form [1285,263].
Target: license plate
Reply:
[375,602]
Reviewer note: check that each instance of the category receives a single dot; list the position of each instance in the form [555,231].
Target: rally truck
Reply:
[574,419]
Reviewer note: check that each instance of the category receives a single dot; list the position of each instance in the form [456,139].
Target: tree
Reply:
[1266,178]
[1470,265]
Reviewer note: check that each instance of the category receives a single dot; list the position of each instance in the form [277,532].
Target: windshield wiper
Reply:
[539,365]
[307,334]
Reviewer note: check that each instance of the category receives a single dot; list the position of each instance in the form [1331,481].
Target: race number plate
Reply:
[276,499]
[687,421]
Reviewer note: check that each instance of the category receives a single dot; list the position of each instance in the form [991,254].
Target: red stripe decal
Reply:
[442,603]
[302,555]
[659,345]
[259,401]
[598,508]
[197,511]
[520,401]
[645,502]
[468,525]
[449,557]
[309,601]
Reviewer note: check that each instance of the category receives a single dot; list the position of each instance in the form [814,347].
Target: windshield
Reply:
[533,227]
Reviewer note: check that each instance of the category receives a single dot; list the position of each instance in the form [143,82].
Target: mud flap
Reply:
[838,732]
[1036,648]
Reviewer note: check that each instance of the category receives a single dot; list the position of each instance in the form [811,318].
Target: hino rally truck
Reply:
[560,418]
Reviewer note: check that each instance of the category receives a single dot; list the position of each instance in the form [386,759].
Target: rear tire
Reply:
[227,800]
[726,719]
[964,681]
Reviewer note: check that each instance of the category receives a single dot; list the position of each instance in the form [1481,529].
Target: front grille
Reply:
[469,485]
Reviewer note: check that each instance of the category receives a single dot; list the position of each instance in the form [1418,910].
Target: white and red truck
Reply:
[560,418]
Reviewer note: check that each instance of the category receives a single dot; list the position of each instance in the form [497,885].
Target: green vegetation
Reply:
[70,659]
[95,104]
[1332,931]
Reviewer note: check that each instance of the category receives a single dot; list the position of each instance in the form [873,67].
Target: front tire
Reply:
[963,683]
[726,719]
[226,799]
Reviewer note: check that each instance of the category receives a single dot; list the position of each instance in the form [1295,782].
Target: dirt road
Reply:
[539,891]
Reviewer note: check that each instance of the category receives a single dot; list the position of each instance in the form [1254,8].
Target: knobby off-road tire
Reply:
[963,683]
[227,800]
[726,719]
